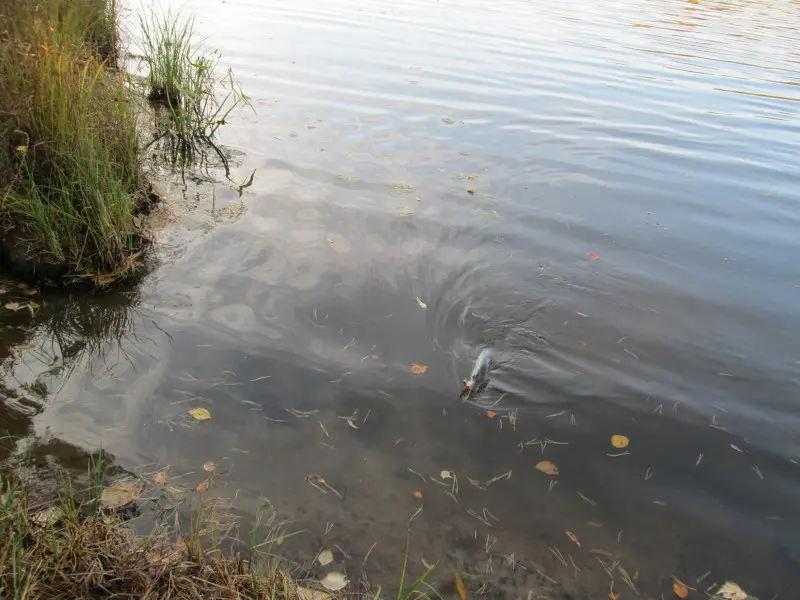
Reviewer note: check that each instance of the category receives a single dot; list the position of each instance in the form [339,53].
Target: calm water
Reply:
[606,193]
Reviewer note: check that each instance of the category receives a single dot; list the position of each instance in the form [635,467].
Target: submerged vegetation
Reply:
[72,176]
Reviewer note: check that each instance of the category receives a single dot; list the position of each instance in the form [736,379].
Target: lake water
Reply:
[605,193]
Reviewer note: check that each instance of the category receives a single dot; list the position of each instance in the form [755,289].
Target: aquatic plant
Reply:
[192,100]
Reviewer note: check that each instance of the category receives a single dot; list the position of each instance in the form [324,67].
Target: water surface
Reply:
[603,192]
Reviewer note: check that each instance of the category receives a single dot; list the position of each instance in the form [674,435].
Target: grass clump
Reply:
[70,174]
[181,78]
[72,549]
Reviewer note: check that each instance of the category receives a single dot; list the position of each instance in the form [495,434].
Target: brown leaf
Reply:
[681,591]
[460,587]
[619,441]
[418,369]
[160,478]
[417,494]
[491,414]
[373,356]
[471,191]
[30,291]
[203,485]
[120,493]
[547,467]
[613,595]
[574,538]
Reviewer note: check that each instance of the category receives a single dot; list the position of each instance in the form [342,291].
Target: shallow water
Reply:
[628,248]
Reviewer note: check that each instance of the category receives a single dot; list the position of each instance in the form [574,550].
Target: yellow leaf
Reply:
[613,595]
[681,591]
[421,303]
[418,369]
[547,467]
[160,478]
[203,485]
[462,590]
[619,441]
[470,191]
[574,538]
[477,316]
[201,414]
[491,414]
[417,494]
[209,466]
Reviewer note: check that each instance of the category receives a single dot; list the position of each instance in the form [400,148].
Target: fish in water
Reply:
[479,378]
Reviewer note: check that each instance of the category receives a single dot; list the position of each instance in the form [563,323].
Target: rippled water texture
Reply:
[605,193]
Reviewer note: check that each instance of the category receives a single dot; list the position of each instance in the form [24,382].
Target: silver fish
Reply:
[479,378]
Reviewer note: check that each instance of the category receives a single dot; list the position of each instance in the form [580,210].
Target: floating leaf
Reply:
[417,494]
[471,191]
[681,591]
[449,121]
[477,316]
[574,538]
[446,475]
[334,581]
[201,414]
[421,303]
[592,257]
[325,557]
[491,414]
[613,595]
[462,590]
[120,493]
[209,466]
[30,291]
[373,356]
[547,467]
[160,478]
[619,441]
[203,485]
[418,369]
[14,306]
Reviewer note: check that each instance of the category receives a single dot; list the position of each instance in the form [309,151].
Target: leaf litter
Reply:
[325,557]
[121,493]
[334,581]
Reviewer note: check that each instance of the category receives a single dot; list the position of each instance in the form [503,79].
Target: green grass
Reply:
[70,172]
[192,100]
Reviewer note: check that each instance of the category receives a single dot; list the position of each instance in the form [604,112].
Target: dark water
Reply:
[630,252]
